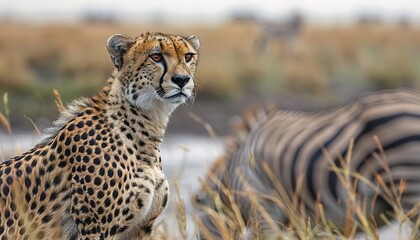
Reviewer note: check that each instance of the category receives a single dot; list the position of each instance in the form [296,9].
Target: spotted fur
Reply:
[97,172]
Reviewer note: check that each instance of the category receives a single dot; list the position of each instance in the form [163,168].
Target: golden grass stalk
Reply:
[236,212]
[323,219]
[162,231]
[289,205]
[258,208]
[4,118]
[5,123]
[343,176]
[58,101]
[6,103]
[181,217]
[205,124]
[204,231]
[33,125]
[221,221]
[394,193]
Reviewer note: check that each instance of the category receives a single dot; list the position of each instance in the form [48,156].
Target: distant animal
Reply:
[97,172]
[285,31]
[284,154]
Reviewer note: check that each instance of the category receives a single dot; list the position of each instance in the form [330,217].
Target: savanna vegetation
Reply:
[328,63]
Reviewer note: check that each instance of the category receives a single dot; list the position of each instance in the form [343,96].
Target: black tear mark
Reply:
[165,69]
[165,200]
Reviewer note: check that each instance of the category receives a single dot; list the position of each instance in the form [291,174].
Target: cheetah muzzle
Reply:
[97,172]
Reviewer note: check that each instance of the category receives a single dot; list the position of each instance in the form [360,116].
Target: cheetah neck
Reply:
[119,110]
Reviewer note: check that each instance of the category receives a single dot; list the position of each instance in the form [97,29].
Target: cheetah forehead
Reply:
[164,43]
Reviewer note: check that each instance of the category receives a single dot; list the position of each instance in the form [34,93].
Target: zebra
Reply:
[286,31]
[300,149]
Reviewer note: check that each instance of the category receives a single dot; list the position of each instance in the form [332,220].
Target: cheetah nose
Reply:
[180,80]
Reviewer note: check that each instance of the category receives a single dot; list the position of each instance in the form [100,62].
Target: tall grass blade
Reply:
[58,101]
[5,123]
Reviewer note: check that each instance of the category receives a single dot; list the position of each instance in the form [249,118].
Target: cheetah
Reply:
[97,172]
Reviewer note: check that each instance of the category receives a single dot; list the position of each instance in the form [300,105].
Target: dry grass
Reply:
[73,59]
[4,117]
[229,224]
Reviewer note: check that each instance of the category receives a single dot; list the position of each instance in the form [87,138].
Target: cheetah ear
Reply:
[193,39]
[117,46]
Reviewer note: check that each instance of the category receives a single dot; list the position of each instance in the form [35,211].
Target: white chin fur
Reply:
[177,100]
[150,100]
[172,98]
[145,100]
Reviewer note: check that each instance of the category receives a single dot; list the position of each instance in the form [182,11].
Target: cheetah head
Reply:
[155,67]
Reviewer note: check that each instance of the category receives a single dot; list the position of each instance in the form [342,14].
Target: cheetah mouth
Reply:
[180,94]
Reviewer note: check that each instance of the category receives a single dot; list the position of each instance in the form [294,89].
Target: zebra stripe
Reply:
[292,143]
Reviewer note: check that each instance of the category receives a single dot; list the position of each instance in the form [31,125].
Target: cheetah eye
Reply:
[188,57]
[157,57]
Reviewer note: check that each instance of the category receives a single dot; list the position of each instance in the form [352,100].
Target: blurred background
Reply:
[298,54]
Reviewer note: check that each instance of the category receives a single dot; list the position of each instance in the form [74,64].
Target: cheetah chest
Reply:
[148,195]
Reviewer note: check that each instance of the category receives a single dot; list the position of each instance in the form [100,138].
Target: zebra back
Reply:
[299,150]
